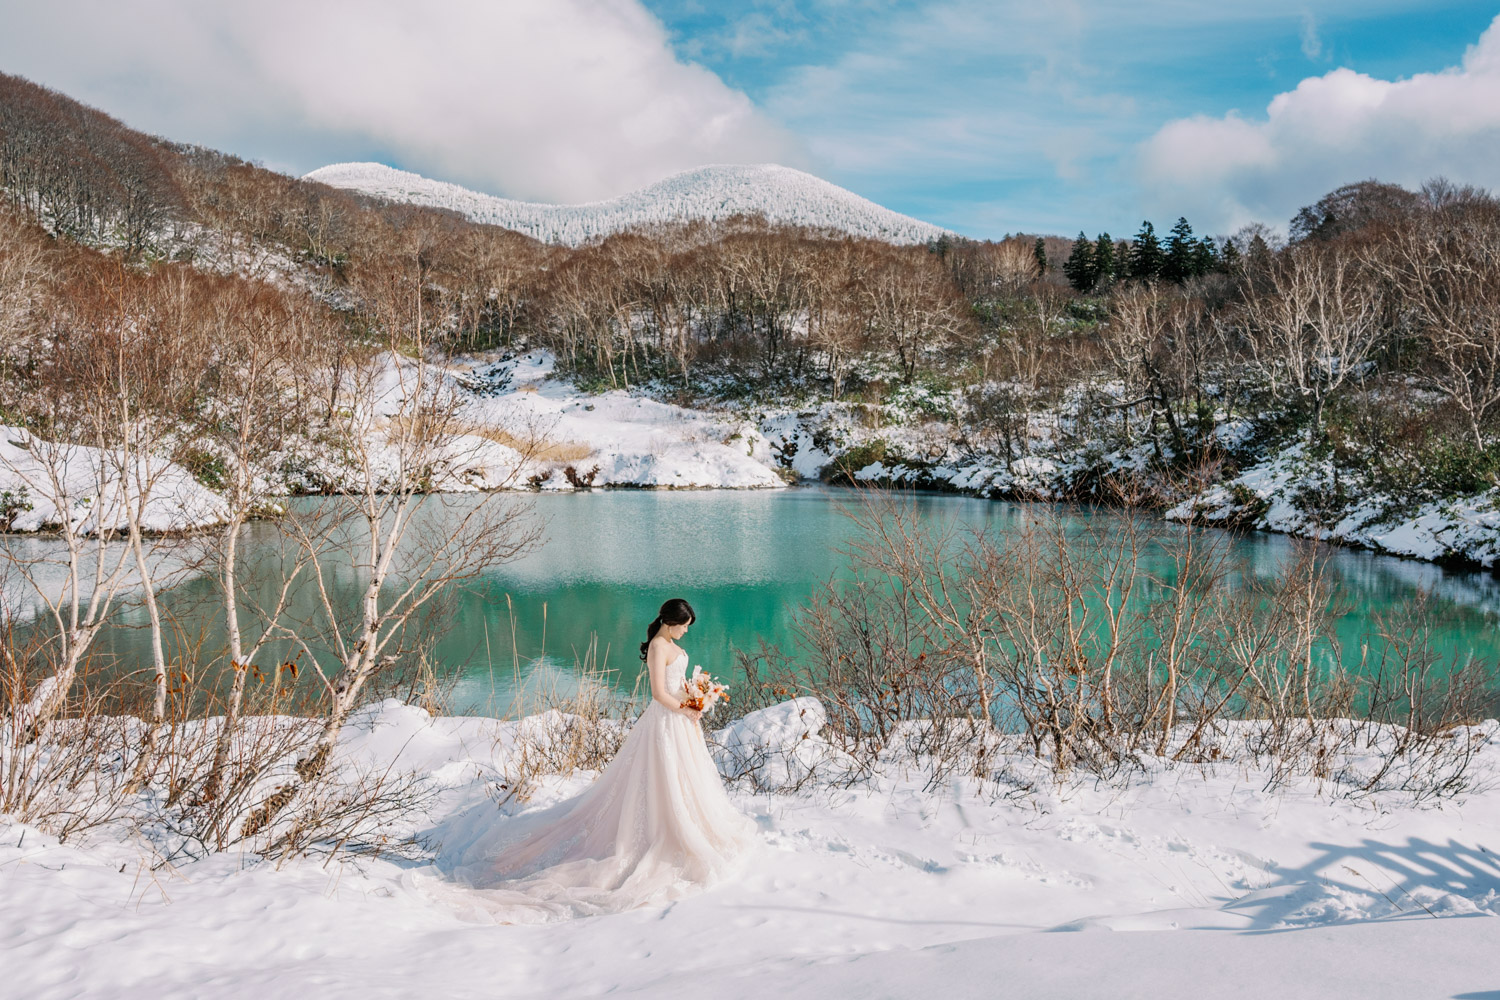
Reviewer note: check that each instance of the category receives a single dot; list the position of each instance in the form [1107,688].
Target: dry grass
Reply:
[531,444]
[578,726]
[535,447]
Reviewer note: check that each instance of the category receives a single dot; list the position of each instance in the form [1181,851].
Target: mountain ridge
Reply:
[709,193]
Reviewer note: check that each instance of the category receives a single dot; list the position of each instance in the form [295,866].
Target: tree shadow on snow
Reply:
[1372,880]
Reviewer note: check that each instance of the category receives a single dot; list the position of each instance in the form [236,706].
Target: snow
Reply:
[776,747]
[709,193]
[1213,886]
[1059,453]
[1466,527]
[520,428]
[524,427]
[632,439]
[175,500]
[794,443]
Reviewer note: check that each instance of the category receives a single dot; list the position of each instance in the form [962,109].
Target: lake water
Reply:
[745,560]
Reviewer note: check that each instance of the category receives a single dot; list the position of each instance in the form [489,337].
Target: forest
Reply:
[1369,333]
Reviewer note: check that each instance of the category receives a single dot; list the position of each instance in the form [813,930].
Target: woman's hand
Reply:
[696,714]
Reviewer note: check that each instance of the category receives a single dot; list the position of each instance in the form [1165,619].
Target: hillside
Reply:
[710,193]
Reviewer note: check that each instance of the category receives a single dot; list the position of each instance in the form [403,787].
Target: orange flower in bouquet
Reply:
[703,691]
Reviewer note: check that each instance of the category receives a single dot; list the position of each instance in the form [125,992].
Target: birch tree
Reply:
[1446,276]
[1315,324]
[397,423]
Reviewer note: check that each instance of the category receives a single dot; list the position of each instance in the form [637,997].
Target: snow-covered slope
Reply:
[781,194]
[1182,882]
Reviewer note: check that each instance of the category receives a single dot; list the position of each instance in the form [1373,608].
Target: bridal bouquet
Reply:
[703,691]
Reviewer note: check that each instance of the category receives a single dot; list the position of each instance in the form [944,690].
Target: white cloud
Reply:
[1312,43]
[1330,130]
[566,100]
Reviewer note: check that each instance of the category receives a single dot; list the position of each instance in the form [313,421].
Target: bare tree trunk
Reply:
[237,663]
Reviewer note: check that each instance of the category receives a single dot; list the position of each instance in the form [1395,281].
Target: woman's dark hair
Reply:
[674,612]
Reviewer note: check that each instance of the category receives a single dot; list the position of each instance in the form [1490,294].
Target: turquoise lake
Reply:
[746,560]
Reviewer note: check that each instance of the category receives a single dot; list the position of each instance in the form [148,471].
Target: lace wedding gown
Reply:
[655,825]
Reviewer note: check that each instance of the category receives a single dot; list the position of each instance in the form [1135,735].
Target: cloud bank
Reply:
[561,100]
[1330,130]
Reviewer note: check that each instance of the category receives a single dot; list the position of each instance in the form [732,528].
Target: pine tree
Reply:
[1104,259]
[1259,252]
[1229,260]
[1205,257]
[1039,251]
[1081,267]
[1178,264]
[1145,254]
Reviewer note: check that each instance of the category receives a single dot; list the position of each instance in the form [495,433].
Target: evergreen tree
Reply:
[1104,259]
[1081,267]
[1145,254]
[1229,260]
[1259,252]
[1178,263]
[1039,251]
[1205,257]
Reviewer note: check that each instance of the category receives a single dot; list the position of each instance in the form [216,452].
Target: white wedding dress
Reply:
[654,826]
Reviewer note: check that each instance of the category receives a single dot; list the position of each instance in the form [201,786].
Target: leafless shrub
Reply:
[65,771]
[1421,708]
[581,480]
[1104,643]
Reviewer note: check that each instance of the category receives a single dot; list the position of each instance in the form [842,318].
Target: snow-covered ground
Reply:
[1465,529]
[44,483]
[521,429]
[1263,496]
[631,439]
[709,193]
[1274,494]
[1184,882]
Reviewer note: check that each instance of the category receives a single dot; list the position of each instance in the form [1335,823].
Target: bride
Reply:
[655,825]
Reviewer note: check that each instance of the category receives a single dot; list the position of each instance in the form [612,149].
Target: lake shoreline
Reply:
[630,440]
[1450,560]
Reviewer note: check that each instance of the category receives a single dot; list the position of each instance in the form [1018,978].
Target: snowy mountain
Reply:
[781,194]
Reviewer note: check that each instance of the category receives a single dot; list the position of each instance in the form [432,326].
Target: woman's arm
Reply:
[656,668]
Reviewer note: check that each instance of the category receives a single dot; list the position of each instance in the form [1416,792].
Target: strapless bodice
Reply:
[677,674]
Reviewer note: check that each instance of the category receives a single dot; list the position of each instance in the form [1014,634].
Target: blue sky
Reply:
[1002,116]
[986,116]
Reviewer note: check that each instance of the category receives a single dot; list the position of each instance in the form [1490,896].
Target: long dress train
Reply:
[654,826]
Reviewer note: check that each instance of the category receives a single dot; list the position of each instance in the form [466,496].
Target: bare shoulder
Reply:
[664,647]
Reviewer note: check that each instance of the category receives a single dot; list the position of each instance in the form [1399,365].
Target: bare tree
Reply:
[1445,270]
[396,421]
[1316,325]
[74,473]
[912,307]
[267,353]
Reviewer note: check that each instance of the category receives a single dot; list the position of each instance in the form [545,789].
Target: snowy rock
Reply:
[777,746]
